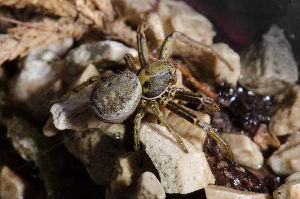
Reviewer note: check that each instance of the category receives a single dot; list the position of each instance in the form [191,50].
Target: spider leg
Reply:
[166,48]
[137,124]
[154,106]
[180,94]
[182,112]
[141,41]
[78,88]
[130,63]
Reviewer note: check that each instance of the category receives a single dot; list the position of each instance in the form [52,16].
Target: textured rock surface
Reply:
[133,13]
[189,131]
[127,166]
[290,189]
[221,70]
[178,16]
[41,67]
[150,187]
[98,150]
[179,172]
[98,52]
[286,112]
[11,185]
[286,160]
[217,192]
[245,151]
[74,112]
[268,66]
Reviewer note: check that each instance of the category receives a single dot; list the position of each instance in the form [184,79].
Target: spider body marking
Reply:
[115,98]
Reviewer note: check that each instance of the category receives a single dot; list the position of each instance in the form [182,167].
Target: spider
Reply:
[115,98]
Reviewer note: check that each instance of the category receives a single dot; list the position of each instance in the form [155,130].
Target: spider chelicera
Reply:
[115,98]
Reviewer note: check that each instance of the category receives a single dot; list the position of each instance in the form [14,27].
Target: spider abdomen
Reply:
[116,97]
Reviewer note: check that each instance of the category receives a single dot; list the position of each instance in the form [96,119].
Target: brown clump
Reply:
[247,109]
[230,174]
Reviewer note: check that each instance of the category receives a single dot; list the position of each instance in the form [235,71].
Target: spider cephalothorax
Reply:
[115,98]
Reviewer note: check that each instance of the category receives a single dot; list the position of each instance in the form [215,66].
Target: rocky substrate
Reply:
[63,150]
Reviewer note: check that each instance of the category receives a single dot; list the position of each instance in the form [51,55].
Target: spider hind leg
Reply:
[184,113]
[78,88]
[181,94]
[155,107]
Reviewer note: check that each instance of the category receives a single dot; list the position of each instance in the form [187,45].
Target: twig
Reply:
[25,25]
[203,87]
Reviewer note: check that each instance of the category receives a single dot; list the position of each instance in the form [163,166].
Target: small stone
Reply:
[74,112]
[286,160]
[41,67]
[268,66]
[286,112]
[98,150]
[133,10]
[245,151]
[49,129]
[150,187]
[221,70]
[11,185]
[187,130]
[179,172]
[98,52]
[217,192]
[290,189]
[178,16]
[127,167]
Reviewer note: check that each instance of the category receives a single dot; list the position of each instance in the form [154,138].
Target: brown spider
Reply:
[115,98]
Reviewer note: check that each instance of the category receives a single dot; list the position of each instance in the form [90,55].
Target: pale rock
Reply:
[127,166]
[221,70]
[286,112]
[41,67]
[178,16]
[11,185]
[286,160]
[217,192]
[290,189]
[98,150]
[187,130]
[245,151]
[38,68]
[39,150]
[149,187]
[74,112]
[268,65]
[133,11]
[49,129]
[179,172]
[98,52]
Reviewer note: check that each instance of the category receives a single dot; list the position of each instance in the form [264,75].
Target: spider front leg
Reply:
[130,63]
[141,41]
[181,94]
[166,48]
[160,116]
[137,124]
[182,112]
[78,88]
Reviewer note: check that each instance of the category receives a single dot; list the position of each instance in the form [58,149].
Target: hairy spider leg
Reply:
[181,94]
[166,48]
[78,88]
[182,112]
[137,124]
[141,41]
[129,61]
[155,108]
